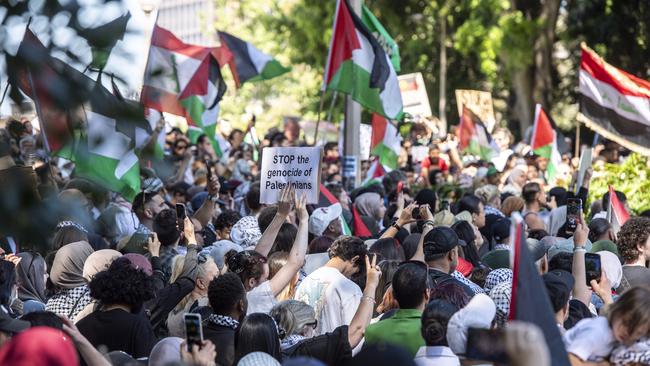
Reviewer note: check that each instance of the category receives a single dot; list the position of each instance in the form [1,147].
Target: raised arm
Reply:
[205,212]
[364,312]
[580,289]
[264,245]
[405,218]
[298,250]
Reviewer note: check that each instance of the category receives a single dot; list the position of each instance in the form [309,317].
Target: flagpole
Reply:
[577,139]
[320,109]
[328,118]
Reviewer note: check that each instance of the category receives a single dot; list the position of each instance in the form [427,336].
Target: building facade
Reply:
[189,20]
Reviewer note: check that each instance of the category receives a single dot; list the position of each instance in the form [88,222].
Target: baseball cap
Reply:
[440,240]
[11,325]
[322,216]
[495,259]
[501,230]
[536,248]
[559,284]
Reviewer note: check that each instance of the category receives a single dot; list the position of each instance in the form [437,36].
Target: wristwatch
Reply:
[396,226]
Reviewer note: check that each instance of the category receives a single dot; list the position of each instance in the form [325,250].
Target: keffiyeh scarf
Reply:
[637,354]
[246,232]
[290,341]
[69,302]
[501,297]
[223,321]
[77,226]
[476,289]
[497,277]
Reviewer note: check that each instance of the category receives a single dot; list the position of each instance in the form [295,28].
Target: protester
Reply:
[434,331]
[31,277]
[634,247]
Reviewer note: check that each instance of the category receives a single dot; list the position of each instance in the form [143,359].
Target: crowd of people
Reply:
[112,281]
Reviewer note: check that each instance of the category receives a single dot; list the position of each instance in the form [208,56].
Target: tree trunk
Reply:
[442,100]
[522,84]
[543,54]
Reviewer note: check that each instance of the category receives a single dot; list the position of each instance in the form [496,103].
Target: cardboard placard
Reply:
[480,103]
[298,166]
[415,100]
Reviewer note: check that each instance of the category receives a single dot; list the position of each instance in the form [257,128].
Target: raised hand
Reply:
[153,245]
[406,217]
[301,208]
[287,197]
[373,272]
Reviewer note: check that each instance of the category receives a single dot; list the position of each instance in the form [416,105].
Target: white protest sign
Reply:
[298,166]
[414,95]
[365,137]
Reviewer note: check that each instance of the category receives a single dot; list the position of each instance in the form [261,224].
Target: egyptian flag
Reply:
[617,215]
[357,65]
[614,103]
[57,89]
[474,137]
[249,63]
[530,302]
[326,199]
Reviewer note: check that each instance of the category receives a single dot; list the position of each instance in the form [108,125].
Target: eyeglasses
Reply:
[313,324]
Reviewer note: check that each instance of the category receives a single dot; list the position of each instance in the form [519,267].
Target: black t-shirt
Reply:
[223,339]
[119,330]
[439,277]
[577,312]
[330,348]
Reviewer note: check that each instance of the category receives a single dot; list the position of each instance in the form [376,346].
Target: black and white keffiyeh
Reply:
[69,302]
[637,354]
[476,289]
[501,296]
[77,226]
[223,321]
[496,277]
[290,341]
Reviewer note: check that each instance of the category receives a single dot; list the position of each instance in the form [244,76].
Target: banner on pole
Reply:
[480,103]
[298,166]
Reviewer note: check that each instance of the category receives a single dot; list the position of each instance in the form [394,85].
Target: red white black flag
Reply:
[614,103]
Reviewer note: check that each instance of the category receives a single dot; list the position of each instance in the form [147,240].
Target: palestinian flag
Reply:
[544,142]
[617,215]
[327,199]
[375,174]
[378,30]
[102,39]
[385,141]
[360,228]
[474,138]
[248,63]
[614,103]
[185,80]
[357,65]
[530,302]
[57,89]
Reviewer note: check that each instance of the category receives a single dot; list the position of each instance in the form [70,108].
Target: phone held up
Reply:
[193,330]
[180,216]
[573,211]
[592,267]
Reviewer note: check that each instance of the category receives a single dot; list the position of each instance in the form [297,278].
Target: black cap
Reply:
[440,240]
[559,284]
[501,230]
[11,325]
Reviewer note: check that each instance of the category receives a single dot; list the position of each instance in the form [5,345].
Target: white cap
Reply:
[478,313]
[321,218]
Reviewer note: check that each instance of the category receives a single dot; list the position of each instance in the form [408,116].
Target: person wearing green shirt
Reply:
[411,291]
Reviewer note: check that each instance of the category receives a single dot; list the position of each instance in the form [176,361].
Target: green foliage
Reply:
[631,177]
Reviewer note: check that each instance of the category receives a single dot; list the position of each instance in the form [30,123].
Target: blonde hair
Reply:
[293,315]
[487,193]
[278,260]
[177,268]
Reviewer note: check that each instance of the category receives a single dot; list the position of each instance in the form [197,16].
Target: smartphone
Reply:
[573,211]
[416,213]
[400,186]
[193,330]
[180,216]
[487,345]
[592,267]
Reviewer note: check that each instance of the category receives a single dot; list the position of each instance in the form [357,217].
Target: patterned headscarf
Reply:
[637,354]
[246,232]
[497,277]
[501,294]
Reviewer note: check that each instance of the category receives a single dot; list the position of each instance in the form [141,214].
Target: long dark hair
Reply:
[465,232]
[258,332]
[7,281]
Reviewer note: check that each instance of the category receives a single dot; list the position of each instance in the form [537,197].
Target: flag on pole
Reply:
[357,65]
[249,63]
[384,39]
[327,199]
[617,215]
[385,141]
[102,39]
[375,175]
[474,137]
[185,80]
[529,300]
[614,103]
[544,142]
[56,88]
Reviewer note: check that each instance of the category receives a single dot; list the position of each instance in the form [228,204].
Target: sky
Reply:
[127,61]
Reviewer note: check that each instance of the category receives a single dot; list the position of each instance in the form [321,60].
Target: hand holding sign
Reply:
[298,167]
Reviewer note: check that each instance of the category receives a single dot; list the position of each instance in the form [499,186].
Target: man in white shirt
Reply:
[329,289]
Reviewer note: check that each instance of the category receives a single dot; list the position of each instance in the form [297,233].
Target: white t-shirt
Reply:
[333,296]
[261,299]
[591,340]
